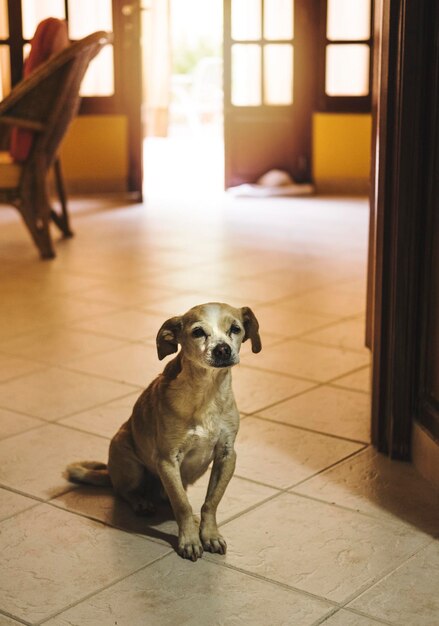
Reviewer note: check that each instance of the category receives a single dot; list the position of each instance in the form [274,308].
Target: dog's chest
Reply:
[198,450]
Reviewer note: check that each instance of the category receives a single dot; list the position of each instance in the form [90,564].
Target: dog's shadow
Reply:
[102,505]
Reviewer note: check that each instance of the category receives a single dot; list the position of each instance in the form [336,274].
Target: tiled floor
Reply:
[320,528]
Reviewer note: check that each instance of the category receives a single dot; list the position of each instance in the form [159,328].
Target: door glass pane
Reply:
[246,19]
[4,30]
[26,50]
[34,12]
[88,16]
[99,78]
[246,75]
[278,19]
[5,75]
[347,70]
[348,19]
[278,74]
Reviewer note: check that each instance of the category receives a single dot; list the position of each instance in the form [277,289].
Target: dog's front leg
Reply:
[189,544]
[222,472]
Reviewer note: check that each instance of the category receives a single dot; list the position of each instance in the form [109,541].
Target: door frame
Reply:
[402,204]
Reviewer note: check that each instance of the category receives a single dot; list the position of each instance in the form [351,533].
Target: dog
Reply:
[183,421]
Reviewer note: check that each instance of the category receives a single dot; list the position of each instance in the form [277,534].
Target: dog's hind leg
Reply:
[130,479]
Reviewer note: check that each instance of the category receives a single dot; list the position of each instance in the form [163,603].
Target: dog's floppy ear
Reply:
[167,337]
[251,327]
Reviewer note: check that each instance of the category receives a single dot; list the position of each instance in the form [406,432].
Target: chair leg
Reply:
[39,230]
[62,221]
[35,211]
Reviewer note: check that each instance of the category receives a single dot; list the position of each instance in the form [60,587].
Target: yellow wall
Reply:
[341,146]
[94,154]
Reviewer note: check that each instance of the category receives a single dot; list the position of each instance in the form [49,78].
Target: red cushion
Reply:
[50,37]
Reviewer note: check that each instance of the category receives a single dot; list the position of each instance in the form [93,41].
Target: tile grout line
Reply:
[91,408]
[100,590]
[308,430]
[389,572]
[329,467]
[91,518]
[57,422]
[304,379]
[212,559]
[19,620]
[324,619]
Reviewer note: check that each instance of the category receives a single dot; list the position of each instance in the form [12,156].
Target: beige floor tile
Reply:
[42,572]
[128,324]
[12,423]
[372,483]
[68,309]
[255,390]
[13,367]
[49,280]
[282,456]
[12,503]
[136,364]
[298,276]
[104,420]
[347,618]
[360,380]
[57,345]
[55,393]
[328,410]
[34,462]
[305,360]
[348,334]
[288,321]
[14,323]
[330,301]
[182,302]
[409,594]
[25,315]
[256,288]
[179,592]
[187,280]
[125,292]
[316,547]
[250,264]
[357,286]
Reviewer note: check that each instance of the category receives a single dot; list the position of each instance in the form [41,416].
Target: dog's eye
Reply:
[234,329]
[198,332]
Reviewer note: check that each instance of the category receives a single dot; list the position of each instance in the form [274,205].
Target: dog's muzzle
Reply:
[222,355]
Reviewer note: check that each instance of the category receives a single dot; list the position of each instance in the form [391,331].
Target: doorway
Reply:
[183,97]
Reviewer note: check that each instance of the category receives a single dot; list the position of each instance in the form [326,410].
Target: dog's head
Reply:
[210,335]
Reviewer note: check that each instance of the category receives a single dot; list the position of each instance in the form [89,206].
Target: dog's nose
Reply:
[222,351]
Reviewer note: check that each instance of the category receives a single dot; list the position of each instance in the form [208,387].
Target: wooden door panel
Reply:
[254,153]
[405,267]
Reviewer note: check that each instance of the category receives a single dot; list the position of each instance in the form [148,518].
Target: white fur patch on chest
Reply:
[198,453]
[198,431]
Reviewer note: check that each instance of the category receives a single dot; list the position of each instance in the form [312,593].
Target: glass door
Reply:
[269,88]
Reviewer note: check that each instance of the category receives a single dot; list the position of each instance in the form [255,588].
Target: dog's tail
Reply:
[89,472]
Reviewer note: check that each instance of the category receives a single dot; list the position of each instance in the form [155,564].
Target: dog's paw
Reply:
[214,542]
[190,547]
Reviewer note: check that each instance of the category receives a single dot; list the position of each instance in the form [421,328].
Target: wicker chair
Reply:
[45,103]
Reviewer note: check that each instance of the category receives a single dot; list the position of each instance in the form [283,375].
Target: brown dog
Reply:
[186,418]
